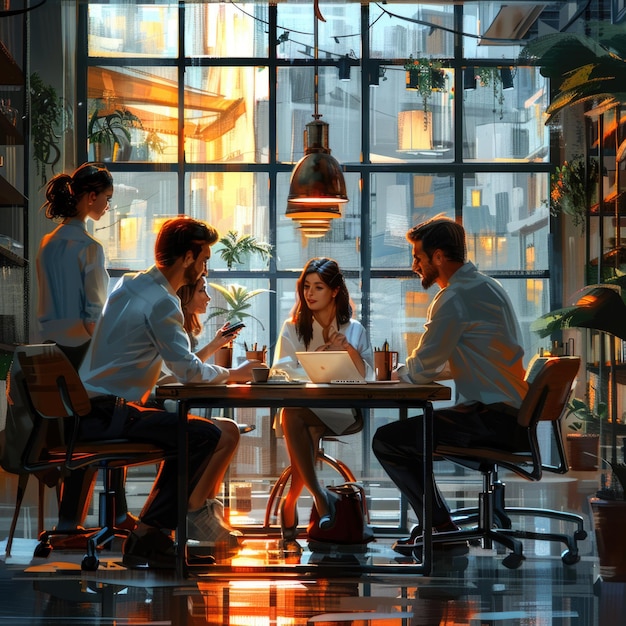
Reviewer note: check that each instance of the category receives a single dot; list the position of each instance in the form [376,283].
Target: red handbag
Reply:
[351,529]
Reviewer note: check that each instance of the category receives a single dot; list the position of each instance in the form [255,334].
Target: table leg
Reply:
[183,481]
[427,512]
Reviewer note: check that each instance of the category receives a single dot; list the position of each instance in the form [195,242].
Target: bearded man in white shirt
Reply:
[471,336]
[139,331]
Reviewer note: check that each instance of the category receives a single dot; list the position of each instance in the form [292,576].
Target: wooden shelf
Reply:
[9,135]
[10,72]
[8,258]
[9,195]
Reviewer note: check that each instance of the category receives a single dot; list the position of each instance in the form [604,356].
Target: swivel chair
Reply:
[57,401]
[276,494]
[550,384]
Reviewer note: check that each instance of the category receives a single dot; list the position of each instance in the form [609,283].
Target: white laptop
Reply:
[329,366]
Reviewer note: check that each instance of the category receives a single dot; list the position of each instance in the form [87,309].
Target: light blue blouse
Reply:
[72,281]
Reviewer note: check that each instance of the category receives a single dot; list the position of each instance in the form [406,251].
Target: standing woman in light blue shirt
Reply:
[71,273]
[73,281]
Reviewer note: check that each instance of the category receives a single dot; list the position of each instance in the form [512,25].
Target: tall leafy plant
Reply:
[235,248]
[46,115]
[237,303]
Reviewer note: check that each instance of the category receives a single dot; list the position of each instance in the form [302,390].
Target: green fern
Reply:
[235,248]
[237,299]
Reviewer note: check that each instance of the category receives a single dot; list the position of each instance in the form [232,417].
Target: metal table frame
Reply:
[398,396]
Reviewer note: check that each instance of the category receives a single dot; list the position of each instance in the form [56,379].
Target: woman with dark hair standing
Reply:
[321,320]
[71,272]
[73,282]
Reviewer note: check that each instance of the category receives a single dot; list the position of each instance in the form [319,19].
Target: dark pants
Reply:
[150,425]
[78,485]
[398,447]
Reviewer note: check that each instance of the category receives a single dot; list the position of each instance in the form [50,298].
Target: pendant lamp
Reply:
[317,186]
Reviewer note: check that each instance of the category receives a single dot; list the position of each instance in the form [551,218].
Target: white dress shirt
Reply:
[140,330]
[472,331]
[285,359]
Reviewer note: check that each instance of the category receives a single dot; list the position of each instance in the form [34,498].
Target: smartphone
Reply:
[233,329]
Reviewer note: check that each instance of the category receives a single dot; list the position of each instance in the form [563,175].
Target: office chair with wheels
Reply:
[57,400]
[550,383]
[276,494]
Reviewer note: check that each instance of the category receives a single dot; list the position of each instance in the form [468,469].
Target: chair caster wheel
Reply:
[513,561]
[579,535]
[89,564]
[569,559]
[42,550]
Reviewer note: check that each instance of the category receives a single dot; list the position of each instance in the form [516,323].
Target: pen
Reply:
[386,346]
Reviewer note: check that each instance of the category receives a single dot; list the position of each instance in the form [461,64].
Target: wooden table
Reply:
[370,396]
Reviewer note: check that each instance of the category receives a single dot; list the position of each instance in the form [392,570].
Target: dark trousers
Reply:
[77,486]
[149,425]
[398,447]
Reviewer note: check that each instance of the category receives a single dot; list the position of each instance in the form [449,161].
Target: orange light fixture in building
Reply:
[415,131]
[317,186]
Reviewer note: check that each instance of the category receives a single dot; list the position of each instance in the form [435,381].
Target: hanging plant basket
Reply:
[425,76]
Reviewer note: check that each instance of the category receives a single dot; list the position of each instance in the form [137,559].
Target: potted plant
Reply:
[237,302]
[572,187]
[110,133]
[609,518]
[583,442]
[491,77]
[235,248]
[46,114]
[236,305]
[426,76]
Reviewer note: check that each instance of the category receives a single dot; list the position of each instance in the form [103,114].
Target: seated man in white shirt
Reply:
[140,330]
[471,336]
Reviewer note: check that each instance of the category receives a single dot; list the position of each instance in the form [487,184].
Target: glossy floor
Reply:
[258,587]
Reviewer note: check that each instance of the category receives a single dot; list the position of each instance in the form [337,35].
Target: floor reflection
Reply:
[476,590]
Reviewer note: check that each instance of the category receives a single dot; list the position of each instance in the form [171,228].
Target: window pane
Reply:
[408,127]
[490,28]
[505,124]
[406,30]
[339,105]
[226,114]
[132,114]
[234,201]
[398,202]
[341,242]
[337,36]
[141,202]
[129,29]
[214,29]
[504,217]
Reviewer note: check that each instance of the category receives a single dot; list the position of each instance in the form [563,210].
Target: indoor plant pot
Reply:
[609,521]
[583,451]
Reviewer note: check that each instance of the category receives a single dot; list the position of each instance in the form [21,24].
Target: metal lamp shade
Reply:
[317,177]
[314,221]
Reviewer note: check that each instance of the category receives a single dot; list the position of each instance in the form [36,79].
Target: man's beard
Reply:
[428,279]
[191,274]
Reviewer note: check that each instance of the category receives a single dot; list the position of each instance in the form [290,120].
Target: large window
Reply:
[424,115]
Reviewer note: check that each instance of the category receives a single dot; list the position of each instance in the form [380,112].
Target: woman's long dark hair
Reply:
[329,272]
[63,191]
[192,323]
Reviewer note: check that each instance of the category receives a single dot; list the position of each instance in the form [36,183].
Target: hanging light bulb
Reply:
[317,185]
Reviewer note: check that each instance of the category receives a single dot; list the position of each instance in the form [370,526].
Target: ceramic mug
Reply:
[384,363]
